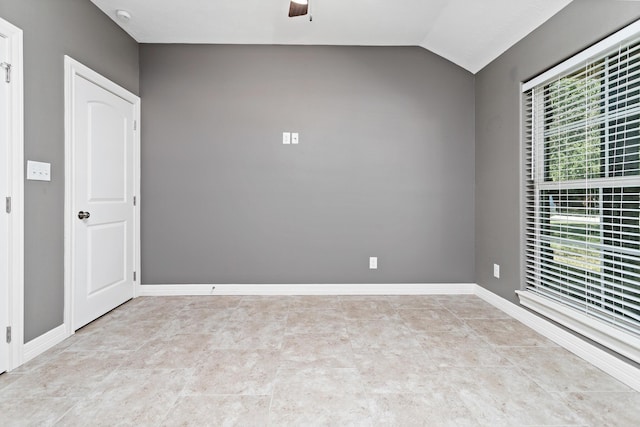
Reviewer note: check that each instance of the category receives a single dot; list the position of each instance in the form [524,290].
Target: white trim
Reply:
[311,289]
[137,159]
[73,68]
[616,340]
[612,365]
[44,342]
[16,183]
[580,59]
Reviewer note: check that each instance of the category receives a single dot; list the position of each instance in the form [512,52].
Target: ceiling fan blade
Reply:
[297,9]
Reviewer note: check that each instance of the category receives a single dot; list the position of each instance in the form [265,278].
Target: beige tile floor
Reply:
[305,361]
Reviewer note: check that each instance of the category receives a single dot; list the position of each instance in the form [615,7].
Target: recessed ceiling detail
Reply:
[470,33]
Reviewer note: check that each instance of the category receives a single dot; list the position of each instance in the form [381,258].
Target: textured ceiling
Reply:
[470,33]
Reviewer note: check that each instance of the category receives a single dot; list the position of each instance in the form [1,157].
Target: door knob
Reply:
[83,215]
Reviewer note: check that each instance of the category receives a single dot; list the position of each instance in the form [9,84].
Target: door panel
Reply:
[103,184]
[105,269]
[107,149]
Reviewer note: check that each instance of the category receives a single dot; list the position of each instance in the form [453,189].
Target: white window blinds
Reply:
[582,166]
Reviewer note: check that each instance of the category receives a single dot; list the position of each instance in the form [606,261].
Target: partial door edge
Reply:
[16,185]
[72,70]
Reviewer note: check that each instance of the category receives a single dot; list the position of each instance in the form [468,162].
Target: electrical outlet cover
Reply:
[38,171]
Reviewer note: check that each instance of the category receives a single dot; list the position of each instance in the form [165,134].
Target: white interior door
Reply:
[5,167]
[103,174]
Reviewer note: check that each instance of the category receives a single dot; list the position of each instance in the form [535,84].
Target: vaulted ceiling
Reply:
[470,33]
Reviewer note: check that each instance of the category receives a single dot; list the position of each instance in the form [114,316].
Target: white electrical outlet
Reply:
[294,138]
[286,138]
[496,271]
[373,263]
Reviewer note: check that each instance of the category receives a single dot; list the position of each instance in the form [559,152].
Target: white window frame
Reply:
[619,341]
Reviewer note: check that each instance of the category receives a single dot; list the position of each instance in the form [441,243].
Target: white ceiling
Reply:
[470,33]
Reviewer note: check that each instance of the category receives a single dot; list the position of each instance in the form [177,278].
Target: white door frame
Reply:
[16,185]
[73,69]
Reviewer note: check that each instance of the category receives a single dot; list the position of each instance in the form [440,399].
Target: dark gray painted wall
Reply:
[53,29]
[498,179]
[385,166]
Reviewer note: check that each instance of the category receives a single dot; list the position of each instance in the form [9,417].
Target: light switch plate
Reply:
[373,263]
[286,138]
[496,271]
[38,171]
[294,138]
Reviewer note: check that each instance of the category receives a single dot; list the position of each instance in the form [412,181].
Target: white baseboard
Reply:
[44,342]
[612,365]
[310,289]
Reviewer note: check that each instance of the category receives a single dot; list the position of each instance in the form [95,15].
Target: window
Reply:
[582,167]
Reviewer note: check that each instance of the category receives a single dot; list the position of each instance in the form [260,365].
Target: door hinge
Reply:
[8,204]
[134,276]
[135,125]
[8,334]
[7,70]
[134,200]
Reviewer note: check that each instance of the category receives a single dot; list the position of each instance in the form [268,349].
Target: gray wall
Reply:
[385,166]
[53,29]
[498,179]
